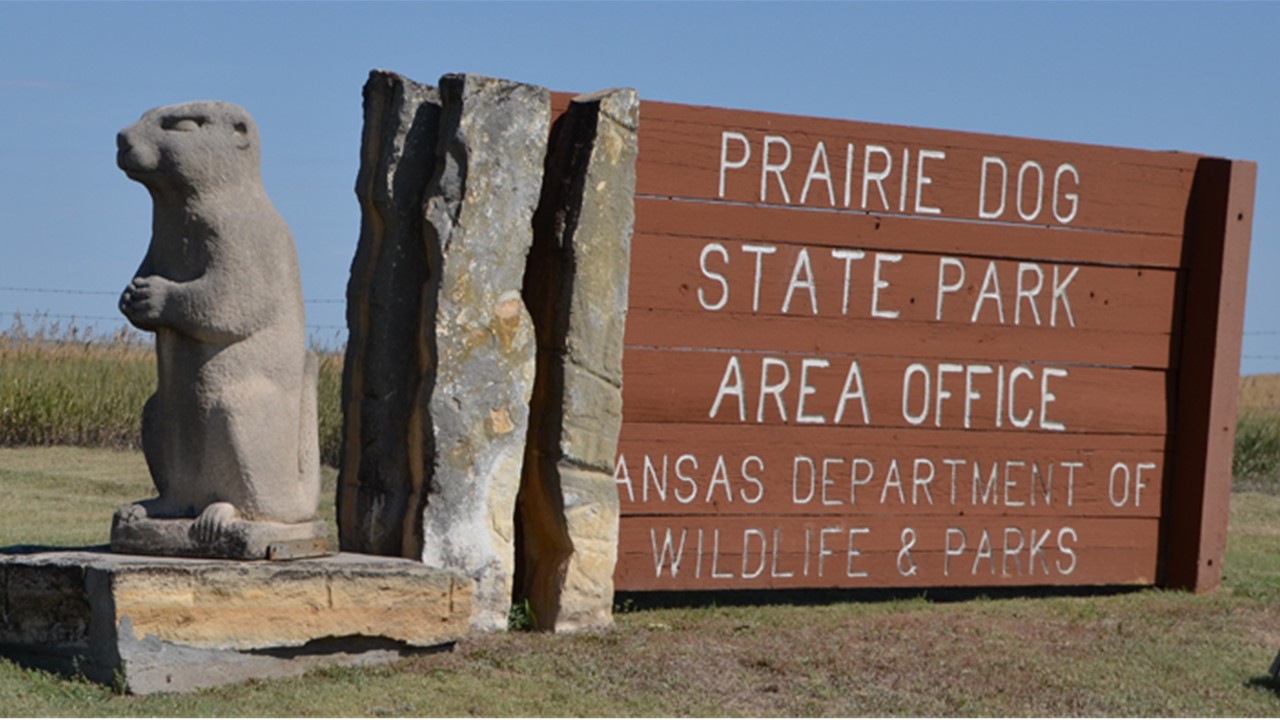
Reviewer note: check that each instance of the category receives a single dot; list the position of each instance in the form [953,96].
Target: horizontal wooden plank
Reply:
[877,231]
[695,470]
[804,281]
[777,389]
[685,152]
[692,553]
[747,436]
[668,328]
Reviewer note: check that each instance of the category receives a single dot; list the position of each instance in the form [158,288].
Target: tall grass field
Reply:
[62,384]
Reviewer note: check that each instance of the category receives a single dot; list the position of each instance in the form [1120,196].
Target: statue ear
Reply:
[242,136]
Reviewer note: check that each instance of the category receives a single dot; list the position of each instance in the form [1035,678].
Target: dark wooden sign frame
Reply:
[1106,284]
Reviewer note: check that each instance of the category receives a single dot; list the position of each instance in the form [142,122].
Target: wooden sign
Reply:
[863,355]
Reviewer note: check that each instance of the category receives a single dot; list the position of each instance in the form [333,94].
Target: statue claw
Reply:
[214,521]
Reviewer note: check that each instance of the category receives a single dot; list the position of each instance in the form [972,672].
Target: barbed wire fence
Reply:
[326,337]
[313,327]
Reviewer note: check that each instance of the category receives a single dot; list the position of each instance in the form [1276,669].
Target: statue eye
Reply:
[182,124]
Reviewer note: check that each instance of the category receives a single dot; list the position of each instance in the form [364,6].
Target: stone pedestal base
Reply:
[242,540]
[177,624]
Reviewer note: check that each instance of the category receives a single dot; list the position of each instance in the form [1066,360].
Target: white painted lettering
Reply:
[753,479]
[682,477]
[708,249]
[747,534]
[1022,173]
[759,251]
[1047,397]
[802,265]
[922,179]
[725,163]
[819,154]
[1060,296]
[1026,292]
[731,384]
[849,256]
[848,394]
[795,480]
[878,177]
[854,552]
[776,169]
[988,162]
[990,291]
[912,370]
[828,481]
[775,389]
[880,284]
[943,286]
[622,476]
[1072,197]
[669,555]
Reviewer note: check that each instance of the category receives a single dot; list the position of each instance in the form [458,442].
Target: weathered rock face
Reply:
[576,287]
[379,509]
[230,435]
[441,358]
[478,230]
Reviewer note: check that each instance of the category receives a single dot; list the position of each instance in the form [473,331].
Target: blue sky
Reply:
[1184,76]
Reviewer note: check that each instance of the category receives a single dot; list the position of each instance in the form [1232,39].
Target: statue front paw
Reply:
[130,513]
[144,300]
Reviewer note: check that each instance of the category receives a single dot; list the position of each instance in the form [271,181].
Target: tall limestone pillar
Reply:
[576,288]
[440,359]
[474,402]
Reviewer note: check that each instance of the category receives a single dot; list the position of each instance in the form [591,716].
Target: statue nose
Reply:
[122,142]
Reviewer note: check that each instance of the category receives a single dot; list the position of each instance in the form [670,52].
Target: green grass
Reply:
[65,496]
[1147,653]
[1256,462]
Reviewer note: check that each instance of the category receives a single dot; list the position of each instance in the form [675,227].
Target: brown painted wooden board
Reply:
[666,469]
[862,356]
[1127,190]
[716,552]
[878,231]
[689,385]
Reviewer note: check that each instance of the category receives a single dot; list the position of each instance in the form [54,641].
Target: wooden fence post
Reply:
[1216,260]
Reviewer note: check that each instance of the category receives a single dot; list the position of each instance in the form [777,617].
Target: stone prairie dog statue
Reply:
[230,433]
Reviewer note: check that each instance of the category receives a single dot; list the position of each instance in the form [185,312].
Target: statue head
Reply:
[190,148]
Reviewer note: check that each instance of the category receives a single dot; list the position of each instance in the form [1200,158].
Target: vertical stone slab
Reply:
[477,332]
[576,287]
[379,508]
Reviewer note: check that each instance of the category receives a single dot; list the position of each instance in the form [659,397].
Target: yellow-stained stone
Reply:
[577,293]
[164,622]
[274,605]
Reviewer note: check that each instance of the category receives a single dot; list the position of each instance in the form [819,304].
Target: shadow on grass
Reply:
[1264,682]
[38,549]
[652,600]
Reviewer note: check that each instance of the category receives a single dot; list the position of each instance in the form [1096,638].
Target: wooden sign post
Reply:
[868,356]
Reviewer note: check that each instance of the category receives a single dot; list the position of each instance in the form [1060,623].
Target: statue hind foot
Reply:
[215,520]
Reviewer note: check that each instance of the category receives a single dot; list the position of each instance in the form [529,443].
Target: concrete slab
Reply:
[152,624]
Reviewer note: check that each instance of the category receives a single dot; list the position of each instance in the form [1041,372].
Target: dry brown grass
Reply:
[1260,393]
